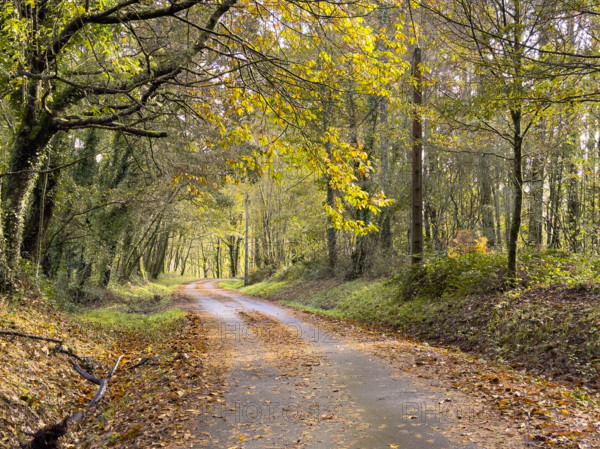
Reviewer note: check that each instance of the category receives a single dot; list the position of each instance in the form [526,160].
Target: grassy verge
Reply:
[145,297]
[134,323]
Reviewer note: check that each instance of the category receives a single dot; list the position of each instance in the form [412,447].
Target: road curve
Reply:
[316,392]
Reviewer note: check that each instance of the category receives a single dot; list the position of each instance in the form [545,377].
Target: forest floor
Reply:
[163,382]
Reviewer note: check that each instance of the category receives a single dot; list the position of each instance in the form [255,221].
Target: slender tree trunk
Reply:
[42,202]
[219,262]
[573,206]
[498,216]
[553,233]
[185,259]
[486,206]
[385,220]
[515,224]
[537,193]
[332,255]
[359,253]
[247,239]
[106,272]
[416,235]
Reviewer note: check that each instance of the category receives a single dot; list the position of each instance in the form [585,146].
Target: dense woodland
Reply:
[362,133]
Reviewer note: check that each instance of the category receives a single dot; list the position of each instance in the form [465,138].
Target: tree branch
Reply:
[33,337]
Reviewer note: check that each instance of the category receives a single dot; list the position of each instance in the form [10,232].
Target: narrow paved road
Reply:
[291,385]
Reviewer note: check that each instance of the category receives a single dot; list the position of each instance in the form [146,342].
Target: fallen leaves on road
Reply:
[516,406]
[290,353]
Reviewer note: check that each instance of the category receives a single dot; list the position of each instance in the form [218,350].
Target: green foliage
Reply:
[462,275]
[550,266]
[335,313]
[527,327]
[260,274]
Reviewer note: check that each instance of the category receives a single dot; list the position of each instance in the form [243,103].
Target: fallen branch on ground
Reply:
[47,438]
[34,337]
[102,383]
[140,363]
[60,344]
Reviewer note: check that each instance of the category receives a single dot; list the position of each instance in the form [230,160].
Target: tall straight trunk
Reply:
[432,212]
[233,245]
[160,254]
[218,261]
[427,227]
[106,271]
[486,206]
[498,216]
[553,232]
[537,203]
[331,193]
[359,252]
[536,193]
[573,206]
[416,234]
[332,255]
[595,199]
[185,259]
[515,225]
[258,261]
[203,260]
[247,239]
[385,220]
[40,212]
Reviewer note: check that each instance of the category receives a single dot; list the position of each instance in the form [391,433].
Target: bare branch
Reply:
[33,337]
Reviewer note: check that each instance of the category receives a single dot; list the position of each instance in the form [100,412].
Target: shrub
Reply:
[466,274]
[257,275]
[552,266]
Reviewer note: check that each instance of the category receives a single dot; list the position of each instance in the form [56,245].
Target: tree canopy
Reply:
[132,131]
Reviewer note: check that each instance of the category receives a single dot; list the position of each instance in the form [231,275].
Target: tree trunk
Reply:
[42,202]
[486,205]
[159,252]
[416,235]
[385,220]
[515,224]
[359,254]
[185,259]
[331,231]
[498,216]
[34,134]
[573,206]
[537,192]
[553,232]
